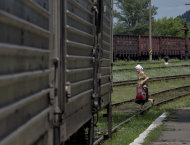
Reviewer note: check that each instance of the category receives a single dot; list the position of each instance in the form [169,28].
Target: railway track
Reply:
[150,68]
[145,63]
[178,93]
[153,79]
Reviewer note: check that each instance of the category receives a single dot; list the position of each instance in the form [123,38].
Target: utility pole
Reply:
[186,48]
[150,32]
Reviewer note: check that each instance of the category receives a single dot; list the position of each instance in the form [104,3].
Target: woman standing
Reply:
[142,80]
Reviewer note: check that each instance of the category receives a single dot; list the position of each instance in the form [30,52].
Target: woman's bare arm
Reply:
[145,80]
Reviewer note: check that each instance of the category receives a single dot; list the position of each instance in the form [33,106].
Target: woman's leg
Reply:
[148,99]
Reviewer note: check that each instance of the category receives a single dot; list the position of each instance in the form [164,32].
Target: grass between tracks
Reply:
[130,131]
[151,65]
[128,92]
[123,62]
[130,75]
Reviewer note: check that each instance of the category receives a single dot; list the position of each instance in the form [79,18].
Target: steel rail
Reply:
[123,102]
[114,129]
[149,68]
[153,79]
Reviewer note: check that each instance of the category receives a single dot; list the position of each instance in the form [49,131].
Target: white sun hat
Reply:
[139,67]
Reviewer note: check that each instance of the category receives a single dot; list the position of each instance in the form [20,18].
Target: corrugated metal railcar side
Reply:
[106,61]
[144,46]
[24,72]
[106,56]
[86,60]
[55,65]
[172,46]
[78,40]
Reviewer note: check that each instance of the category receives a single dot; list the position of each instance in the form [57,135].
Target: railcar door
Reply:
[77,45]
[84,63]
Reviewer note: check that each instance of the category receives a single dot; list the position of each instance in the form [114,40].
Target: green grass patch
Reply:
[123,62]
[130,75]
[155,134]
[128,92]
[130,131]
[150,65]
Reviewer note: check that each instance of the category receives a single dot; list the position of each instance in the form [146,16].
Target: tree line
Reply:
[132,17]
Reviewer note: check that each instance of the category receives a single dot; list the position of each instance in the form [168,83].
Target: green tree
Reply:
[132,16]
[186,16]
[168,27]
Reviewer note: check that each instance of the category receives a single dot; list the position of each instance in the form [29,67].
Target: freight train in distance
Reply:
[137,47]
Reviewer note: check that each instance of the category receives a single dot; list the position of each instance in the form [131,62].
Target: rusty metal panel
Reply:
[155,45]
[127,45]
[162,45]
[24,72]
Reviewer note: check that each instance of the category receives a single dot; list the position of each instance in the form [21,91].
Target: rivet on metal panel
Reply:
[68,89]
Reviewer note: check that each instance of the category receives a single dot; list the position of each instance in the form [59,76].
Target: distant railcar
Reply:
[137,47]
[55,69]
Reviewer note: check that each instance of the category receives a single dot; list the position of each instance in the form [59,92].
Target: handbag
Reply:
[141,95]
